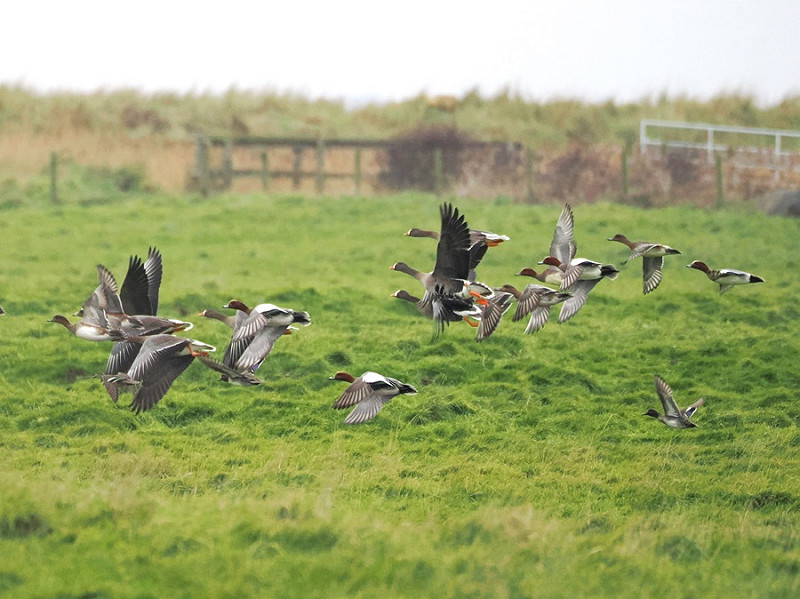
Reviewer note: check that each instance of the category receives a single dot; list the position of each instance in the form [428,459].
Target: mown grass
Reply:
[522,468]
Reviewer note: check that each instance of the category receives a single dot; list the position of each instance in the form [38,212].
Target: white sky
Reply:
[379,51]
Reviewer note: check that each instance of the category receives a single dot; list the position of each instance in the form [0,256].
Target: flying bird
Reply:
[449,286]
[577,276]
[130,311]
[535,300]
[94,326]
[475,236]
[160,360]
[672,416]
[485,317]
[140,289]
[106,298]
[589,274]
[726,278]
[652,259]
[255,336]
[368,393]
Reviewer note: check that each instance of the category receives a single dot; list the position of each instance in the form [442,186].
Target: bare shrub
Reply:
[133,117]
[582,172]
[493,169]
[682,167]
[409,161]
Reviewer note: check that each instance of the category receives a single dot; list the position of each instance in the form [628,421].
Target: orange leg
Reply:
[470,322]
[479,298]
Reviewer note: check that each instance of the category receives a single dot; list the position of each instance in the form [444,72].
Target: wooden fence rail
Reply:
[206,176]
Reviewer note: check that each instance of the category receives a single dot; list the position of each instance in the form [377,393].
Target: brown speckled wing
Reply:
[259,348]
[366,410]
[357,392]
[122,355]
[570,276]
[158,382]
[157,366]
[528,300]
[491,315]
[651,272]
[667,400]
[563,247]
[580,292]
[539,318]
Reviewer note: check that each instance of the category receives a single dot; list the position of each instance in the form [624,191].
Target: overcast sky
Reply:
[382,51]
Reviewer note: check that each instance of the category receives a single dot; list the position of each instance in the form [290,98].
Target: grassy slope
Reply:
[523,466]
[152,135]
[505,115]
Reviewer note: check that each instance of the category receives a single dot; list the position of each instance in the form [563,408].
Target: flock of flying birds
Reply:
[147,357]
[452,292]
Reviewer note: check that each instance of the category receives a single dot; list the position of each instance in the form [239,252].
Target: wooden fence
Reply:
[207,176]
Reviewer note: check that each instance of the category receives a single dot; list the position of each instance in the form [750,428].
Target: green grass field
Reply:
[522,468]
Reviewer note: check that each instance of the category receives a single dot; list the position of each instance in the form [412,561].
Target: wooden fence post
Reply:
[625,182]
[529,176]
[720,185]
[298,162]
[201,158]
[320,174]
[54,177]
[438,175]
[357,169]
[264,171]
[227,165]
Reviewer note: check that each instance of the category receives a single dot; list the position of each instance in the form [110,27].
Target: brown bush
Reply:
[682,167]
[582,172]
[133,117]
[409,161]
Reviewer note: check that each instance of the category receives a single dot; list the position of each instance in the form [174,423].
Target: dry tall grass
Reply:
[165,161]
[155,132]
